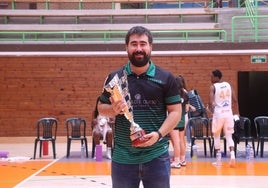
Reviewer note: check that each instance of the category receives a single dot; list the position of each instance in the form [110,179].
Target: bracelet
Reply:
[160,136]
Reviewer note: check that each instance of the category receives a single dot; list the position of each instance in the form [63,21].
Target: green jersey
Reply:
[150,93]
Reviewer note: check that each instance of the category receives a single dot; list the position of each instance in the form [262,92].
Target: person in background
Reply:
[102,129]
[156,107]
[221,99]
[217,3]
[190,108]
[177,135]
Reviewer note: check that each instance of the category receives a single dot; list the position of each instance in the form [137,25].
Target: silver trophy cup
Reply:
[118,88]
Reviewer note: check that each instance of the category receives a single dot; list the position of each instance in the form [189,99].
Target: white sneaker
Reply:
[109,153]
[183,163]
[175,165]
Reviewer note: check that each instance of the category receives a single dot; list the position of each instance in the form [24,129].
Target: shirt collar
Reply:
[150,71]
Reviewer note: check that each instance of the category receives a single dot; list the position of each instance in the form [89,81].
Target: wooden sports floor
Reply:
[20,171]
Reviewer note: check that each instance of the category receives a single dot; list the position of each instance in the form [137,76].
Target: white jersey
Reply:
[222,100]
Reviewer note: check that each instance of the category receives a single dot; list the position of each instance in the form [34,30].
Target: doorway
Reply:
[253,94]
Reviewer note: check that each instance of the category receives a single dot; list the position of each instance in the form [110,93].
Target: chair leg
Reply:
[192,143]
[40,148]
[35,147]
[210,147]
[54,149]
[253,146]
[225,146]
[246,142]
[257,152]
[235,148]
[86,147]
[93,148]
[68,147]
[213,153]
[205,147]
[262,147]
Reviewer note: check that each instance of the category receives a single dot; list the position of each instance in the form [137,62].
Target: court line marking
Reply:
[37,172]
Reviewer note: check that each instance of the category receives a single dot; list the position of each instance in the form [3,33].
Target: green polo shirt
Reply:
[150,93]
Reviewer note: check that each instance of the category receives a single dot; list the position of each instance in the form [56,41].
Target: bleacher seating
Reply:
[97,31]
[112,13]
[115,4]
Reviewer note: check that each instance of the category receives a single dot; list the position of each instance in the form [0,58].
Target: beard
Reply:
[139,61]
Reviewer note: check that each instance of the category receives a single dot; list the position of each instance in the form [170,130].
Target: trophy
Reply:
[118,88]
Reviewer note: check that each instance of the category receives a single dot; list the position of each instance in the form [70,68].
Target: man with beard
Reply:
[156,107]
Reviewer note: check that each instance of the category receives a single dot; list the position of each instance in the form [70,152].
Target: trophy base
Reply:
[138,138]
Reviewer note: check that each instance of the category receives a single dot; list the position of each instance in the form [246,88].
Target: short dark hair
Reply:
[217,73]
[181,85]
[180,82]
[139,30]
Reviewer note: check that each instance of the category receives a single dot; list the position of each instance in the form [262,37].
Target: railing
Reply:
[109,36]
[251,26]
[193,32]
[114,3]
[245,31]
[251,9]
[79,4]
[240,3]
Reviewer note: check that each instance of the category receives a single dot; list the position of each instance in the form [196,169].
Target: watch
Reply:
[160,136]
